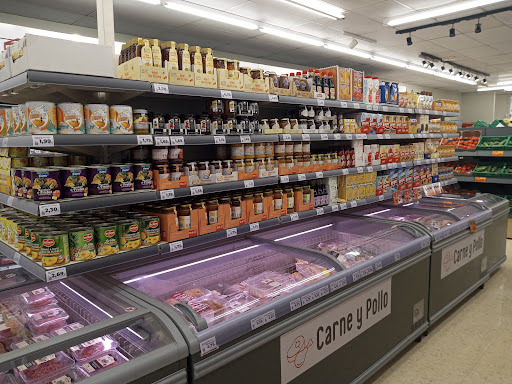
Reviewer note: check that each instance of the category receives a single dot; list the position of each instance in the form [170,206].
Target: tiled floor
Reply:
[470,345]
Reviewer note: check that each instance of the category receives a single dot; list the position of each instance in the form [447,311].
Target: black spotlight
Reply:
[450,71]
[443,68]
[425,64]
[484,81]
[468,76]
[460,74]
[431,65]
[478,27]
[452,31]
[409,40]
[476,78]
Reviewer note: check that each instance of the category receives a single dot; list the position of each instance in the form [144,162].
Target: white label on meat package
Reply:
[462,252]
[249,183]
[208,346]
[284,179]
[56,274]
[144,140]
[254,227]
[176,246]
[219,139]
[308,344]
[324,136]
[226,94]
[344,104]
[349,136]
[319,175]
[245,139]
[320,211]
[160,88]
[305,137]
[295,304]
[49,209]
[263,319]
[315,295]
[196,191]
[294,216]
[320,102]
[230,232]
[178,140]
[43,141]
[335,208]
[167,194]
[273,98]
[301,177]
[162,141]
[357,106]
[287,137]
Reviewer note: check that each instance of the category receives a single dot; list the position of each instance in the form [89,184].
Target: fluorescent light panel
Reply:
[153,2]
[385,60]
[289,2]
[319,7]
[348,51]
[440,11]
[508,82]
[485,89]
[291,36]
[210,14]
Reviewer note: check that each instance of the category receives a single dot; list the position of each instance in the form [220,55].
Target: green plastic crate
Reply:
[488,139]
[488,173]
[504,173]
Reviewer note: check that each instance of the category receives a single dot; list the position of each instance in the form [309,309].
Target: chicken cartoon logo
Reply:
[298,351]
[447,261]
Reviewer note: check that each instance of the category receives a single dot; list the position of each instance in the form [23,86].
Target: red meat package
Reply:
[43,368]
[11,331]
[47,320]
[92,348]
[38,297]
[102,363]
[27,342]
[67,328]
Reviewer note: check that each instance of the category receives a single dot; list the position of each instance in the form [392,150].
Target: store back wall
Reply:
[486,106]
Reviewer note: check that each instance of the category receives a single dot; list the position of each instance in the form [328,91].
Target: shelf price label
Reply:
[370,169]
[249,183]
[320,211]
[387,136]
[319,175]
[177,140]
[3,142]
[230,232]
[305,137]
[167,194]
[410,110]
[144,140]
[324,136]
[245,139]
[360,136]
[10,200]
[343,206]
[226,94]
[162,141]
[369,107]
[196,191]
[356,105]
[16,258]
[160,88]
[349,136]
[381,197]
[294,216]
[49,209]
[43,141]
[403,164]
[353,204]
[383,167]
[285,179]
[301,177]
[344,171]
[497,153]
[320,102]
[344,104]
[411,135]
[254,227]
[380,136]
[480,179]
[261,320]
[360,169]
[384,108]
[176,246]
[219,139]
[208,345]
[56,274]
[337,136]
[273,98]
[287,137]
[335,208]
[401,110]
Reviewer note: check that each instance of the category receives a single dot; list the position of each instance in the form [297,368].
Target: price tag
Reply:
[285,179]
[49,209]
[428,161]
[383,167]
[480,179]
[320,211]
[167,194]
[360,136]
[324,136]
[411,135]
[356,105]
[16,257]
[497,153]
[319,175]
[349,136]
[337,136]
[320,102]
[254,227]
[381,197]
[56,274]
[295,304]
[10,200]
[43,141]
[384,108]
[344,104]
[392,165]
[162,141]
[176,246]
[369,169]
[144,140]
[403,164]
[160,88]
[3,142]
[343,206]
[305,137]
[196,191]
[401,110]
[444,113]
[249,183]
[177,140]
[301,177]
[421,111]
[410,110]
[353,204]
[380,136]
[359,169]
[219,139]
[245,139]
[208,345]
[375,107]
[387,136]
[273,98]
[344,171]
[335,208]
[263,319]
[294,216]
[369,107]
[230,232]
[287,137]
[226,94]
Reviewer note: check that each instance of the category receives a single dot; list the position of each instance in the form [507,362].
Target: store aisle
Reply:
[471,345]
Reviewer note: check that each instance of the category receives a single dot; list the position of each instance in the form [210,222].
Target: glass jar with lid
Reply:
[183,57]
[216,107]
[176,170]
[236,207]
[270,164]
[269,149]
[220,63]
[196,60]
[233,67]
[184,217]
[258,203]
[278,199]
[229,125]
[297,148]
[212,209]
[289,162]
[284,123]
[245,70]
[237,151]
[288,148]
[249,165]
[140,121]
[274,124]
[257,74]
[249,150]
[189,124]
[239,165]
[306,195]
[260,150]
[203,122]
[306,147]
[216,125]
[290,201]
[228,167]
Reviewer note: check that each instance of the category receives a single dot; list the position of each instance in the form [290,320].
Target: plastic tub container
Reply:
[40,370]
[101,363]
[37,297]
[93,348]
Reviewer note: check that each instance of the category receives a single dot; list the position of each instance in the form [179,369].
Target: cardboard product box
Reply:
[300,204]
[368,90]
[386,123]
[392,123]
[205,80]
[373,122]
[134,70]
[163,181]
[229,220]
[275,90]
[379,186]
[234,83]
[5,64]
[383,154]
[344,84]
[255,85]
[396,153]
[369,190]
[393,179]
[391,153]
[409,177]
[169,231]
[358,153]
[393,94]
[362,191]
[401,174]
[384,92]
[40,53]
[367,155]
[375,154]
[416,181]
[217,217]
[379,125]
[357,85]
[386,182]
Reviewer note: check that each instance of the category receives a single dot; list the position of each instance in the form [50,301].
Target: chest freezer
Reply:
[238,302]
[12,275]
[80,330]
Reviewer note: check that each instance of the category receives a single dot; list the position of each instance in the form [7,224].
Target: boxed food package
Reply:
[234,82]
[368,90]
[344,84]
[375,154]
[5,64]
[383,153]
[357,85]
[401,175]
[393,94]
[384,92]
[135,70]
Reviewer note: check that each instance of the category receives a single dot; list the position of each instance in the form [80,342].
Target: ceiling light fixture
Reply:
[291,36]
[459,79]
[409,40]
[384,60]
[424,63]
[348,51]
[443,68]
[485,89]
[319,7]
[432,65]
[353,44]
[420,69]
[478,27]
[440,11]
[154,2]
[452,31]
[508,82]
[210,14]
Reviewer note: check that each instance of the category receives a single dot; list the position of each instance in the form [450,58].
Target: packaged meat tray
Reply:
[7,378]
[69,377]
[47,320]
[14,311]
[265,283]
[92,348]
[27,342]
[11,331]
[226,290]
[42,369]
[187,295]
[211,307]
[311,271]
[38,297]
[67,328]
[11,277]
[242,302]
[102,363]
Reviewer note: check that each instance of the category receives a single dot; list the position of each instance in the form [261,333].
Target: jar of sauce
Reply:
[229,125]
[320,159]
[288,148]
[212,209]
[184,216]
[249,150]
[183,57]
[249,165]
[216,107]
[284,123]
[140,121]
[176,170]
[203,171]
[294,124]
[207,58]
[242,125]
[258,203]
[191,169]
[284,82]
[306,195]
[298,161]
[257,74]
[269,149]
[274,79]
[174,124]
[220,63]
[260,164]
[239,165]
[264,124]
[216,125]
[230,107]
[290,201]
[245,70]
[233,69]
[314,160]
[270,164]
[159,153]
[311,124]
[289,162]
[306,161]
[281,161]
[278,199]
[204,124]
[236,207]
[237,151]
[260,150]
[170,55]
[297,148]
[175,152]
[227,167]
[189,124]
[216,167]
[196,60]
[306,147]
[303,124]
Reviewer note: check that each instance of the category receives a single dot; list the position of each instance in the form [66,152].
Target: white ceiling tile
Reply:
[503,33]
[457,42]
[505,17]
[422,4]
[479,51]
[382,10]
[386,37]
[432,33]
[500,59]
[224,4]
[350,5]
[356,23]
[271,12]
[315,29]
[486,22]
[503,46]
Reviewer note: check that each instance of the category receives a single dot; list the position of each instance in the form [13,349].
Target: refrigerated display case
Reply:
[457,230]
[249,302]
[81,330]
[495,234]
[12,275]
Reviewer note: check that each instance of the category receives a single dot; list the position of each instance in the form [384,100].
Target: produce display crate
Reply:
[506,171]
[492,143]
[488,169]
[469,140]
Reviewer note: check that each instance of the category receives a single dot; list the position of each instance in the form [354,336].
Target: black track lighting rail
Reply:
[430,57]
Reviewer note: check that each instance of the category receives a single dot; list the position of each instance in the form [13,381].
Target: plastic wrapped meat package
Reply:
[187,295]
[93,348]
[37,298]
[266,283]
[66,328]
[310,271]
[11,331]
[47,319]
[242,302]
[101,363]
[27,342]
[68,377]
[211,307]
[348,255]
[39,370]
[10,277]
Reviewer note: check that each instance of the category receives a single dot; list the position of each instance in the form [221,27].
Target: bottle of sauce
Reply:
[156,52]
[146,53]
[170,55]
[332,86]
[196,59]
[207,58]
[212,210]
[183,57]
[325,85]
[184,216]
[236,207]
[290,201]
[279,149]
[317,81]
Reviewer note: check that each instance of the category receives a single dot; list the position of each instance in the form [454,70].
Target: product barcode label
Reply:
[294,216]
[287,137]
[249,183]
[254,227]
[319,175]
[344,104]
[144,140]
[160,88]
[337,136]
[344,171]
[320,211]
[343,206]
[380,136]
[49,209]
[349,136]
[226,94]
[56,274]
[43,141]
[370,169]
[196,191]
[177,140]
[320,102]
[353,204]
[230,232]
[360,136]
[219,139]
[315,295]
[176,246]
[384,108]
[387,136]
[360,170]
[245,139]
[273,98]
[305,137]
[208,346]
[285,179]
[263,319]
[167,194]
[324,136]
[162,141]
[301,177]
[295,304]
[335,208]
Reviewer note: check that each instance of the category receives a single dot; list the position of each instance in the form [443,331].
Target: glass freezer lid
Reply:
[486,199]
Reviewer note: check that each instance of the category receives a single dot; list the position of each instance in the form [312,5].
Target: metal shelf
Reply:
[51,141]
[161,140]
[490,180]
[483,153]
